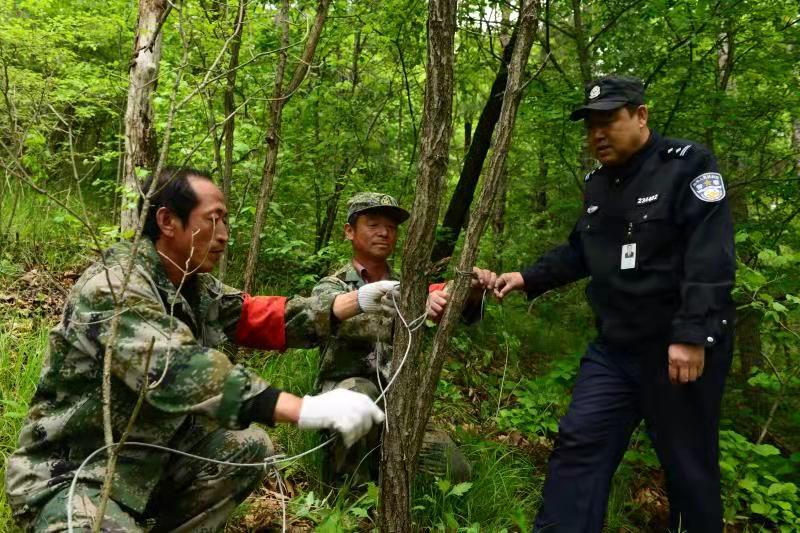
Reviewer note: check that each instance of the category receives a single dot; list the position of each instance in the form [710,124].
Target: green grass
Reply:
[22,349]
[504,492]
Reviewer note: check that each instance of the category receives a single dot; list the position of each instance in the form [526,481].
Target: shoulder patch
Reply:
[708,187]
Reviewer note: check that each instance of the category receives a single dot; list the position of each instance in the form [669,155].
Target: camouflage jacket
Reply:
[358,346]
[64,424]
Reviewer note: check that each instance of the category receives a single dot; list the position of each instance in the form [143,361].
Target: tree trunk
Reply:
[398,462]
[411,398]
[796,142]
[585,158]
[332,208]
[499,222]
[279,100]
[460,202]
[228,109]
[140,135]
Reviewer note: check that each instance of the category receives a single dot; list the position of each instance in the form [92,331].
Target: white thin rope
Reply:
[283,497]
[502,381]
[268,461]
[378,351]
[408,347]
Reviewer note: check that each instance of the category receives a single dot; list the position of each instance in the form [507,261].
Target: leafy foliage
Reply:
[720,73]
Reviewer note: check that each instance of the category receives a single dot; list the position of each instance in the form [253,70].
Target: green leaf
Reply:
[461,489]
[359,512]
[766,450]
[779,307]
[760,508]
[748,484]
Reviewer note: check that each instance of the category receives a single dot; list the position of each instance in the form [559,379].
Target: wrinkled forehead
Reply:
[209,196]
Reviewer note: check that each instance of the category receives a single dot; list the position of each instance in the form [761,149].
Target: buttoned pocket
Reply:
[655,233]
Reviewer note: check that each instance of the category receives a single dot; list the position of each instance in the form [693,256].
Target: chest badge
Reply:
[644,200]
[591,209]
[708,187]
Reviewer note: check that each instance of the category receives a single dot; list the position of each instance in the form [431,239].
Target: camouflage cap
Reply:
[369,201]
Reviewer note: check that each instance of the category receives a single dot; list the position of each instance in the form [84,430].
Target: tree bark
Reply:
[585,158]
[279,100]
[332,208]
[398,462]
[796,141]
[411,398]
[460,202]
[228,108]
[499,222]
[140,135]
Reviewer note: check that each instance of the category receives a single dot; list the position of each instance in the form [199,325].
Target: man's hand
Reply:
[371,296]
[686,362]
[350,413]
[483,279]
[505,283]
[437,301]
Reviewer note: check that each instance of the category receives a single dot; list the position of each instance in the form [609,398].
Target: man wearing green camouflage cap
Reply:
[357,355]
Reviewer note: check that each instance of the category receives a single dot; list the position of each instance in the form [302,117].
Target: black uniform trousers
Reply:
[614,391]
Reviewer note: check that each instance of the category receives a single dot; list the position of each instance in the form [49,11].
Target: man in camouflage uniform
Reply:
[357,355]
[174,313]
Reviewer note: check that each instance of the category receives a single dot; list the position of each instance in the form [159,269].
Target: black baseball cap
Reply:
[610,92]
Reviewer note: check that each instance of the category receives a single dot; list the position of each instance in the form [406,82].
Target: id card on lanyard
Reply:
[627,259]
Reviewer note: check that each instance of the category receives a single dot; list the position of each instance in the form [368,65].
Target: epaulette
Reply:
[589,174]
[676,151]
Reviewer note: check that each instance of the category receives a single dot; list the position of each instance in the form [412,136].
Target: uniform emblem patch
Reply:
[708,187]
[595,92]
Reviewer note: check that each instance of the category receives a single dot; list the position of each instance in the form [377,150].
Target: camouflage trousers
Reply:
[438,457]
[191,495]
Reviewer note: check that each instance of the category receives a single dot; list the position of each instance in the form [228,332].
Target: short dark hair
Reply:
[172,191]
[632,108]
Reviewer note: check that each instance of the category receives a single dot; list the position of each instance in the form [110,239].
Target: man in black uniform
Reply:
[656,238]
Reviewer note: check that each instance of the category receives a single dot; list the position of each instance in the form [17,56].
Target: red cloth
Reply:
[436,287]
[262,323]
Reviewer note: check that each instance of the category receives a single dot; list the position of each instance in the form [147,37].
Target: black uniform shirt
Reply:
[669,200]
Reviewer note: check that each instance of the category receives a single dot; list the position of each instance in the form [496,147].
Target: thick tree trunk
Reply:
[411,399]
[228,108]
[460,202]
[140,135]
[399,452]
[279,100]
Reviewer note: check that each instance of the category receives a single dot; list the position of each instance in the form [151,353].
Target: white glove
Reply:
[388,302]
[350,413]
[370,295]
